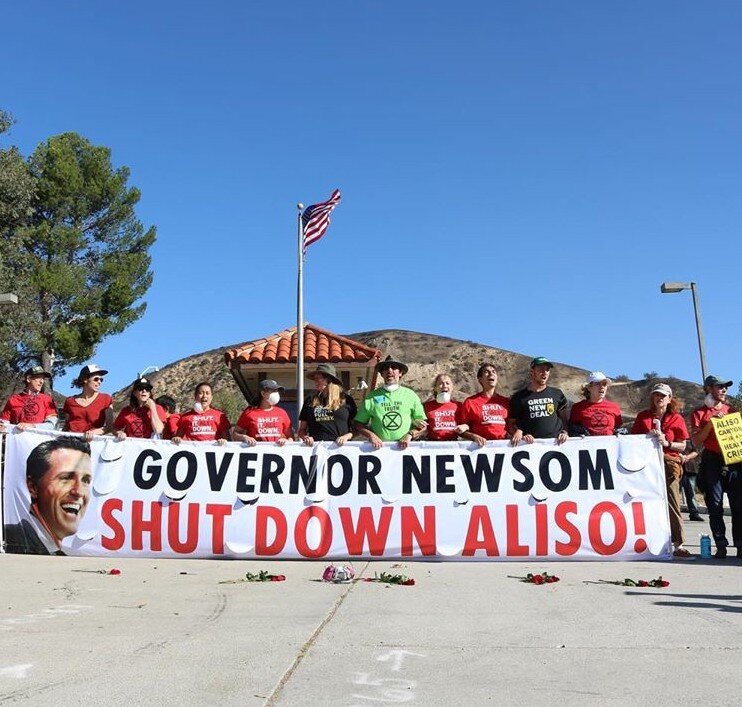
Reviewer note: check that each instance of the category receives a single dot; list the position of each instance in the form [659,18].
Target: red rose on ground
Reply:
[664,583]
[538,579]
[278,577]
[409,582]
[114,571]
[643,583]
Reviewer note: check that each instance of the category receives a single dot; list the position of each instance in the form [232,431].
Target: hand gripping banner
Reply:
[596,498]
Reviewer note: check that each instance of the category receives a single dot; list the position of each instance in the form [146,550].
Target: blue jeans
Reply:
[688,484]
[719,480]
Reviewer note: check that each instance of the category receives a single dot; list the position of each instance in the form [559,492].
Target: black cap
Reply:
[541,361]
[269,384]
[142,383]
[715,380]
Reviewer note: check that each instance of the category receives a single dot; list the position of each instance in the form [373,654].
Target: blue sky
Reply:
[520,174]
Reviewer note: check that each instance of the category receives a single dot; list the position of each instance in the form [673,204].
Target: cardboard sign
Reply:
[728,431]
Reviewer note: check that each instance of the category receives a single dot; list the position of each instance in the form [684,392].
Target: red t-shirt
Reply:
[136,422]
[81,418]
[485,416]
[602,418]
[442,419]
[701,416]
[171,426]
[203,426]
[265,425]
[672,426]
[28,407]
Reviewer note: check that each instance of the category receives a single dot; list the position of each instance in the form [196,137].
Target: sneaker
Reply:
[681,552]
[721,553]
[695,516]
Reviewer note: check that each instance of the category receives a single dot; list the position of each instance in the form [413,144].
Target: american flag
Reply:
[316,219]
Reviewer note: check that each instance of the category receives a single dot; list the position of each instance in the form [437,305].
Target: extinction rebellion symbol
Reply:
[392,420]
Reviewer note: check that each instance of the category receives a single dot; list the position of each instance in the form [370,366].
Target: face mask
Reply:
[274,397]
[444,397]
[197,407]
[709,401]
[391,386]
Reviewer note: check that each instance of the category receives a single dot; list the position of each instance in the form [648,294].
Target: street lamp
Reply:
[673,287]
[149,369]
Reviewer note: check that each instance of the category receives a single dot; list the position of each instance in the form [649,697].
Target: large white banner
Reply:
[593,498]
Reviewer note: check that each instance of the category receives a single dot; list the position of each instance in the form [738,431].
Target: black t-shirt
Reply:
[326,425]
[537,413]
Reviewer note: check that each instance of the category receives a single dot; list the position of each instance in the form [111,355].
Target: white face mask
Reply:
[391,386]
[197,407]
[710,401]
[274,397]
[444,397]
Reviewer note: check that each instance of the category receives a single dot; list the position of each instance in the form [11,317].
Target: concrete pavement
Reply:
[464,633]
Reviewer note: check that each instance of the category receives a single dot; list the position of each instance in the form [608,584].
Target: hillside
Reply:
[427,355]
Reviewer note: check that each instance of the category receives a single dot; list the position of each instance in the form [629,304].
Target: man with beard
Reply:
[31,408]
[715,478]
[58,478]
[538,411]
[391,413]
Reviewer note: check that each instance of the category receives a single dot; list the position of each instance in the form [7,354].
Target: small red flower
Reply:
[114,571]
[664,583]
[278,578]
[538,579]
[409,582]
[643,583]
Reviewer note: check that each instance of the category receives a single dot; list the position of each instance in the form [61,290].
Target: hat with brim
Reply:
[270,384]
[89,370]
[541,361]
[715,380]
[328,371]
[597,377]
[662,388]
[36,371]
[142,383]
[389,362]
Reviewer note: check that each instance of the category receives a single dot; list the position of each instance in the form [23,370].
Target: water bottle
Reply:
[705,546]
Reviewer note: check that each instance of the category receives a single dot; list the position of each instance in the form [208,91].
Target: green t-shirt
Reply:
[390,413]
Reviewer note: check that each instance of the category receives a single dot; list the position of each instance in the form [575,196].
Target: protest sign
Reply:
[592,498]
[728,431]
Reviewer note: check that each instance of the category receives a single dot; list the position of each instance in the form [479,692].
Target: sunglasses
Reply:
[96,378]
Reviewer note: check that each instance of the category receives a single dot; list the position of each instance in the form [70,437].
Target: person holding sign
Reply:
[538,411]
[595,415]
[266,422]
[391,413]
[442,411]
[485,414]
[31,408]
[663,420]
[715,477]
[327,414]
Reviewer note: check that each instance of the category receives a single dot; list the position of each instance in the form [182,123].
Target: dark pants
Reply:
[688,483]
[718,480]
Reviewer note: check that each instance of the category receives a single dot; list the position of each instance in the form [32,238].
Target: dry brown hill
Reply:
[426,355]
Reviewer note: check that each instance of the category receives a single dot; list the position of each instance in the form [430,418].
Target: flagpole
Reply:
[300,318]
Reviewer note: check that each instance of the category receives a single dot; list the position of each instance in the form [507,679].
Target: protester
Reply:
[442,411]
[392,412]
[715,477]
[202,423]
[327,414]
[265,422]
[485,414]
[30,408]
[689,482]
[595,415]
[142,417]
[663,420]
[58,478]
[170,407]
[90,411]
[538,411]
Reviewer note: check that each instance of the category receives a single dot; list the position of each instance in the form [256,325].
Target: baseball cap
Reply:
[541,361]
[597,377]
[269,384]
[36,371]
[715,380]
[662,388]
[90,369]
[142,383]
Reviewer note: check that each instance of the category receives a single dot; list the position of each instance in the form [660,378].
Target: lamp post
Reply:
[673,287]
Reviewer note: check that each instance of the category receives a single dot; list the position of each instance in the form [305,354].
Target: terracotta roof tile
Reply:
[320,346]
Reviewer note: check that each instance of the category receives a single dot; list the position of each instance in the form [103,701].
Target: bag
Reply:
[338,574]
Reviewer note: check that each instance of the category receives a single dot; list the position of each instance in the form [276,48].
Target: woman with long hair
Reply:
[90,411]
[142,417]
[327,414]
[663,420]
